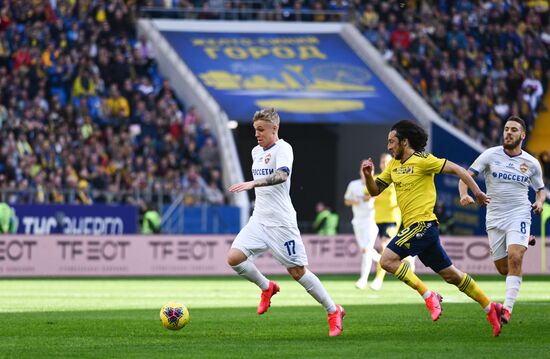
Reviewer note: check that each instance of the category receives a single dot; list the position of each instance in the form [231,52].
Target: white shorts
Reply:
[500,239]
[365,234]
[285,243]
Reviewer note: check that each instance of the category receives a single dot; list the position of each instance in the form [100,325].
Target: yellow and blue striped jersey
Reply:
[414,185]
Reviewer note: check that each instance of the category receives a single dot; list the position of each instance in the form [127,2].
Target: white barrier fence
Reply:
[38,256]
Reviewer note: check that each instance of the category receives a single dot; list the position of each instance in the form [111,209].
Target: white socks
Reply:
[248,270]
[313,286]
[512,289]
[366,264]
[375,255]
[309,281]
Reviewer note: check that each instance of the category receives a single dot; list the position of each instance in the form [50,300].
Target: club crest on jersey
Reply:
[523,167]
[267,158]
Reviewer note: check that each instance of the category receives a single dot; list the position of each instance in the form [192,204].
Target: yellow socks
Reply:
[472,290]
[407,276]
[466,285]
[380,273]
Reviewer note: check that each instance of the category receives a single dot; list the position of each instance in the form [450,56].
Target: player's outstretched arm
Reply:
[539,201]
[465,198]
[453,168]
[279,176]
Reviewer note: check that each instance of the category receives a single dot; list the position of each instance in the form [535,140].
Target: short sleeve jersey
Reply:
[508,179]
[414,185]
[273,206]
[386,209]
[364,210]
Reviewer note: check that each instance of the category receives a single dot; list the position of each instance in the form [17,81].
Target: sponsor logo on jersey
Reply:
[523,167]
[267,158]
[404,170]
[262,171]
[510,177]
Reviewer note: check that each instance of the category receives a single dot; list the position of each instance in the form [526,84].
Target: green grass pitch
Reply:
[119,318]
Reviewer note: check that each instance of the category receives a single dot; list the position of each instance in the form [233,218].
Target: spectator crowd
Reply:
[85,117]
[475,62]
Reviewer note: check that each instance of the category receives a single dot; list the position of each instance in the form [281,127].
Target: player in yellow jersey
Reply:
[412,172]
[388,219]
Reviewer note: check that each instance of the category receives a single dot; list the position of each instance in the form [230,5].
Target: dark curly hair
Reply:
[418,138]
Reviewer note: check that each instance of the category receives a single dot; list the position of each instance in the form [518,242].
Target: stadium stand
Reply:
[475,62]
[86,118]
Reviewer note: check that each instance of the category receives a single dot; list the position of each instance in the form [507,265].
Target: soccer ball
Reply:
[174,316]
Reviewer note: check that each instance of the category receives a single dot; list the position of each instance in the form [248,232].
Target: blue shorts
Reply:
[421,239]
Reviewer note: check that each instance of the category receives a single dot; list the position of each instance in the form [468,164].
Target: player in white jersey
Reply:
[364,225]
[273,223]
[509,172]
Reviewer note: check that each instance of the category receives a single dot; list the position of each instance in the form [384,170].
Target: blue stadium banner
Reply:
[202,220]
[76,220]
[309,78]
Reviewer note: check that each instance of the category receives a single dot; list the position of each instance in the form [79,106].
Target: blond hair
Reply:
[267,114]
